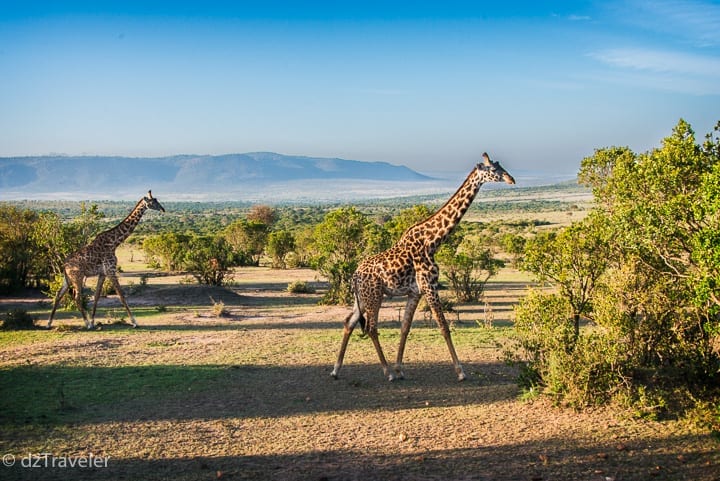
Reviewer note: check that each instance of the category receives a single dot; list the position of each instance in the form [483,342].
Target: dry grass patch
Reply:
[249,396]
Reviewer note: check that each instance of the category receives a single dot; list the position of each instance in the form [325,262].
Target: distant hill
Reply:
[204,176]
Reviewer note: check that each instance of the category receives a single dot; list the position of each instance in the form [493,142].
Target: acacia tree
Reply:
[263,214]
[573,260]
[280,243]
[167,250]
[17,250]
[655,299]
[662,207]
[338,245]
[468,267]
[407,218]
[209,259]
[248,239]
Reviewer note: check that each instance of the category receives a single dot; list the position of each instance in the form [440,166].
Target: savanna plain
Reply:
[246,393]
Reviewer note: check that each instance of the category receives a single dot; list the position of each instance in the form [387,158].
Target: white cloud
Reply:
[660,61]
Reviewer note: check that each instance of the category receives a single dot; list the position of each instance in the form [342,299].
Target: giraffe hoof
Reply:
[334,375]
[391,377]
[461,377]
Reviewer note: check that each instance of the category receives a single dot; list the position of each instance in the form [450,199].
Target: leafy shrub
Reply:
[579,371]
[68,300]
[300,287]
[18,319]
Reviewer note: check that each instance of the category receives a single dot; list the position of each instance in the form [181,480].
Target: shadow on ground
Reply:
[551,459]
[52,395]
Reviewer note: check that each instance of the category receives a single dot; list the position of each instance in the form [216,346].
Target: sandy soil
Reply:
[270,410]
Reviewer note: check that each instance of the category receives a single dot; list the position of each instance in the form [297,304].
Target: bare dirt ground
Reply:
[193,396]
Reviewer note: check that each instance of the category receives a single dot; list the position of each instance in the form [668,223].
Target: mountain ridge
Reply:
[186,173]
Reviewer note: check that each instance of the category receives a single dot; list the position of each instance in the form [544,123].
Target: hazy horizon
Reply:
[539,86]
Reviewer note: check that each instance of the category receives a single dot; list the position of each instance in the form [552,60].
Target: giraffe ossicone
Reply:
[408,268]
[98,259]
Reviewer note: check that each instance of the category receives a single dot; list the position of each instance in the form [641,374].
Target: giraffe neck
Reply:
[439,226]
[122,231]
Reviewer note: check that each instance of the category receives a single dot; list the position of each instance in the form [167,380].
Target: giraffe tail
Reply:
[356,309]
[363,324]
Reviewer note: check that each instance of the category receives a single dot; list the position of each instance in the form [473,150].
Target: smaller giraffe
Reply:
[98,259]
[408,268]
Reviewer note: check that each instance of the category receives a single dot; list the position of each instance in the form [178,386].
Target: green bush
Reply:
[300,287]
[18,319]
[68,300]
[579,371]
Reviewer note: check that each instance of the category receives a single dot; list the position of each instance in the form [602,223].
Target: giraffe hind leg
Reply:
[98,292]
[410,308]
[60,294]
[349,325]
[78,286]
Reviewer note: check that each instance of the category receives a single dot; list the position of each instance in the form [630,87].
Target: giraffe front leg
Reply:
[118,289]
[386,369]
[434,302]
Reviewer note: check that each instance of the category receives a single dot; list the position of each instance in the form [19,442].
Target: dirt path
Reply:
[190,396]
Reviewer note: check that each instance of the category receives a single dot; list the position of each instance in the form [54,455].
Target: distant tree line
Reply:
[329,239]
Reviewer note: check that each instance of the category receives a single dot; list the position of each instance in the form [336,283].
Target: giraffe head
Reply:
[152,203]
[491,171]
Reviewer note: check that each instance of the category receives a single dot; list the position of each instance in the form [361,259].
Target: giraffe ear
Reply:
[486,158]
[149,194]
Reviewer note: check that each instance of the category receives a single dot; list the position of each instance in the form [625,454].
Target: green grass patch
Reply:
[62,394]
[19,338]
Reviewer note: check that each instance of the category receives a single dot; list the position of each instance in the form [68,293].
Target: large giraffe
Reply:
[408,269]
[98,259]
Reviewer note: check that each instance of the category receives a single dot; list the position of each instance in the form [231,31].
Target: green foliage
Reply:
[573,259]
[18,319]
[279,244]
[577,370]
[248,239]
[644,267]
[339,242]
[166,251]
[55,239]
[407,218]
[16,249]
[300,287]
[514,245]
[208,259]
[468,267]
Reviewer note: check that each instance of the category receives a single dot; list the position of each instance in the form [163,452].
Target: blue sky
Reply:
[431,85]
